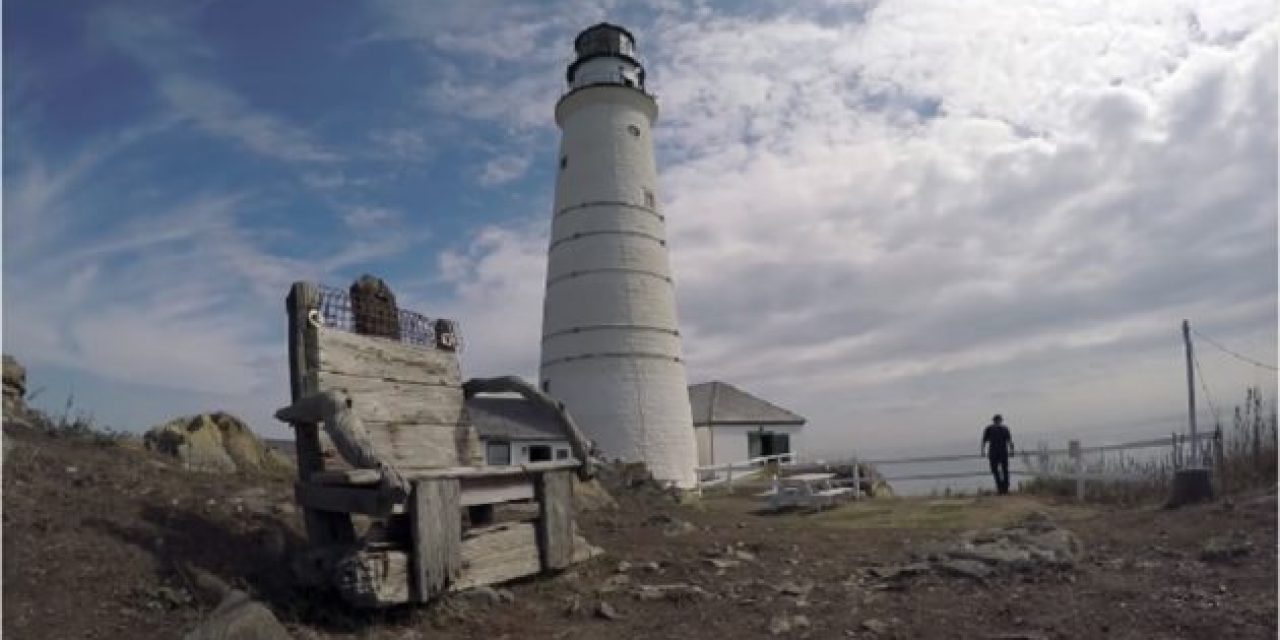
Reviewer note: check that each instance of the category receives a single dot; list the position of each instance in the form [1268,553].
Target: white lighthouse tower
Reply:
[610,341]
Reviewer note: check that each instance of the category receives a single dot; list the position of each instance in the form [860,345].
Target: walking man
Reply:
[998,444]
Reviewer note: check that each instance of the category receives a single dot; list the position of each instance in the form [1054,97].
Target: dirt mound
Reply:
[216,442]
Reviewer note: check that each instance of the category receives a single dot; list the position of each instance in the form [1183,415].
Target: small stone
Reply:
[744,555]
[614,583]
[673,592]
[623,567]
[875,625]
[779,625]
[651,566]
[1220,548]
[797,589]
[800,622]
[965,569]
[606,611]
[72,470]
[722,564]
[742,525]
[573,607]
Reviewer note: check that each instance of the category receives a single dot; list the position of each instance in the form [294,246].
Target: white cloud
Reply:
[365,217]
[908,216]
[503,169]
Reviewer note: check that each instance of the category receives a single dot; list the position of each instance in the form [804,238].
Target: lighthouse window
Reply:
[648,198]
[633,130]
[564,162]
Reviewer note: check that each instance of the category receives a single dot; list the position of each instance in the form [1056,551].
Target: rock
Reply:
[1220,548]
[614,583]
[623,567]
[15,380]
[965,568]
[779,625]
[215,442]
[744,555]
[800,622]
[592,496]
[899,571]
[797,589]
[720,563]
[875,625]
[678,528]
[674,592]
[487,595]
[239,617]
[606,611]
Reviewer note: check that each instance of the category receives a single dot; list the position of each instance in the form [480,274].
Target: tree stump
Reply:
[1190,486]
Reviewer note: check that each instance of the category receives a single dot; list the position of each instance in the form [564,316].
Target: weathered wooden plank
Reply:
[437,536]
[416,446]
[372,357]
[342,500]
[495,470]
[380,578]
[347,477]
[323,528]
[419,403]
[492,490]
[555,526]
[356,384]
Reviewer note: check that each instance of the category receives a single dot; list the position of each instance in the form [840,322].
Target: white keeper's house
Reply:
[732,425]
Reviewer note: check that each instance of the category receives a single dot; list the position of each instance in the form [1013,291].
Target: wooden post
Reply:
[857,480]
[436,520]
[1219,460]
[1073,450]
[554,490]
[729,481]
[1191,394]
[323,527]
[1173,453]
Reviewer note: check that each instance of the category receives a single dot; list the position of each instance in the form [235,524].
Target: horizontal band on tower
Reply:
[606,327]
[586,272]
[610,203]
[613,354]
[584,234]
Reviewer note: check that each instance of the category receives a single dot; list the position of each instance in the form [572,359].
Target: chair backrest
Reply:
[406,391]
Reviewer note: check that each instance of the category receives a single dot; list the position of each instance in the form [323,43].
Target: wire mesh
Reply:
[379,318]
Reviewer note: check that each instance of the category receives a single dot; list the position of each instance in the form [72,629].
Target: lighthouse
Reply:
[610,341]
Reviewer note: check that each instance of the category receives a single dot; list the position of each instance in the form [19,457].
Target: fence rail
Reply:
[723,474]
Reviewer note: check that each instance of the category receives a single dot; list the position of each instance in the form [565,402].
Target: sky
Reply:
[895,218]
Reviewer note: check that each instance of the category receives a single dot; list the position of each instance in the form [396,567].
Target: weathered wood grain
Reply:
[492,490]
[416,446]
[323,528]
[356,384]
[419,403]
[437,531]
[489,556]
[372,357]
[555,526]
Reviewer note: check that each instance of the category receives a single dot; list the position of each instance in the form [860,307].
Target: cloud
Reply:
[904,207]
[365,217]
[503,169]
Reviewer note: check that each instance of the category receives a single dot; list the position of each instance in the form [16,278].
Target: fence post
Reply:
[1219,460]
[857,480]
[1257,446]
[729,480]
[1174,458]
[1073,450]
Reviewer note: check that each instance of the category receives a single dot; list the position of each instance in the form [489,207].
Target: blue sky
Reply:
[892,217]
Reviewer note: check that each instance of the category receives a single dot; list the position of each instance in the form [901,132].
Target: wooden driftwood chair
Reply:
[393,404]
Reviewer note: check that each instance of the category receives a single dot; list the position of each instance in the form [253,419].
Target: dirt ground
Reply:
[92,535]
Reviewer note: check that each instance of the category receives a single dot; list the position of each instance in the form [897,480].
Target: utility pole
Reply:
[1191,394]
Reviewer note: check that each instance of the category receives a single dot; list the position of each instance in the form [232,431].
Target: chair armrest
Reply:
[333,408]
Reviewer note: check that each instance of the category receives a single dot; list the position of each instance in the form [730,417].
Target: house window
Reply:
[539,453]
[767,443]
[498,453]
[562,454]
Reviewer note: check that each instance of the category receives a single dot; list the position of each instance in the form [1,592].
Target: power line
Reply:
[1213,409]
[1234,354]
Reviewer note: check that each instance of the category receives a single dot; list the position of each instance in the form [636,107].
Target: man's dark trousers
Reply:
[1000,470]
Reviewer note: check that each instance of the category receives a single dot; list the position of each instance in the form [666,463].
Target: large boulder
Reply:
[215,442]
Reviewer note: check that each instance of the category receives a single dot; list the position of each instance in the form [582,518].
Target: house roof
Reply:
[513,418]
[722,403]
